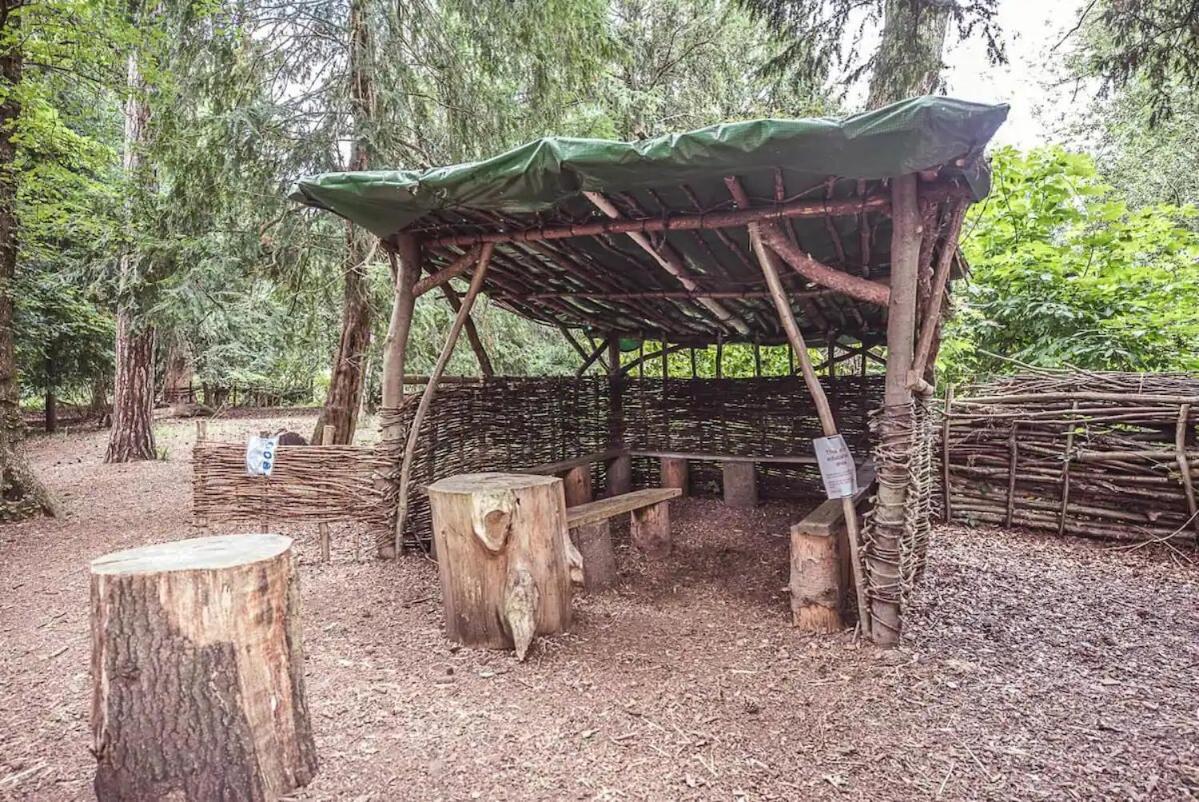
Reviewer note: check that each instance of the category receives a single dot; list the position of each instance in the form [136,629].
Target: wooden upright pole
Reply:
[770,270]
[426,399]
[406,270]
[889,512]
[472,333]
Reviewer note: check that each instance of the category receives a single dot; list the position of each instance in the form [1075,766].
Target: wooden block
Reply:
[620,475]
[740,484]
[650,530]
[576,484]
[594,542]
[817,582]
[674,473]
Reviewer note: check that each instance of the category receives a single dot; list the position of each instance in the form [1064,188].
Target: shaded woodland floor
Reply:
[1034,668]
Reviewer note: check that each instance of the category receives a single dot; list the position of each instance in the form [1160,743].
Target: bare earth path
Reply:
[1034,668]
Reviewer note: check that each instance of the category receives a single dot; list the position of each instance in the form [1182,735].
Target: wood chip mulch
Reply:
[1033,667]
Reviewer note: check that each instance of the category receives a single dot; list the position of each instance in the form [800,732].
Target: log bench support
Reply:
[822,564]
[740,484]
[674,473]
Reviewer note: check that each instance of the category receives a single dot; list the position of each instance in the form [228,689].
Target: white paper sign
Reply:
[260,455]
[836,466]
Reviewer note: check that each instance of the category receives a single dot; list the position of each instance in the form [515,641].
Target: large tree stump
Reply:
[817,586]
[650,530]
[198,672]
[503,553]
[594,541]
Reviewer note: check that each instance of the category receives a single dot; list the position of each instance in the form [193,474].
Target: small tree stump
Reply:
[817,589]
[650,530]
[620,475]
[675,473]
[503,554]
[198,672]
[740,484]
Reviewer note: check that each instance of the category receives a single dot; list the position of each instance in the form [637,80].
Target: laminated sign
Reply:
[260,455]
[836,466]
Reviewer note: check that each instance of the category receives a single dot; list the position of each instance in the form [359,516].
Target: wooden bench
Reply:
[739,473]
[649,518]
[821,562]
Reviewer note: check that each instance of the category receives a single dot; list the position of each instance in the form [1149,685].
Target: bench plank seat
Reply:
[554,468]
[607,508]
[830,515]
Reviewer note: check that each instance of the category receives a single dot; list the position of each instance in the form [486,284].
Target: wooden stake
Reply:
[1184,465]
[476,283]
[327,435]
[931,321]
[1013,450]
[472,333]
[945,423]
[828,424]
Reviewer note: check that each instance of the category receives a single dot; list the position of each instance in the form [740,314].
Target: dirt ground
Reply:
[1032,668]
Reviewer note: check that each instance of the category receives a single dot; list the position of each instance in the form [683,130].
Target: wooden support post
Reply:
[503,557]
[740,483]
[472,333]
[327,434]
[674,472]
[426,399]
[198,672]
[1066,458]
[930,326]
[201,430]
[406,270]
[619,469]
[769,262]
[719,359]
[946,422]
[816,590]
[890,508]
[1013,447]
[1184,465]
[650,530]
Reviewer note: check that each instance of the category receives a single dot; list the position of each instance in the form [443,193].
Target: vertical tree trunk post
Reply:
[650,530]
[768,261]
[594,541]
[327,439]
[198,672]
[406,269]
[503,558]
[426,399]
[740,483]
[674,473]
[620,468]
[889,512]
[815,568]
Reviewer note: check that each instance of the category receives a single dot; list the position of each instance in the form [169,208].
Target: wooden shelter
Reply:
[811,233]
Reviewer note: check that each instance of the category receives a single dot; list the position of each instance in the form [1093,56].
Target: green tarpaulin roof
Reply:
[901,138]
[608,283]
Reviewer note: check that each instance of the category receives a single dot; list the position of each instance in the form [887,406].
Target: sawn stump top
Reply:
[196,554]
[483,482]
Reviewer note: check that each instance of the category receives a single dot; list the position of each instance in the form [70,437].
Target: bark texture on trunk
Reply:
[502,548]
[21,494]
[348,373]
[198,672]
[132,435]
[908,60]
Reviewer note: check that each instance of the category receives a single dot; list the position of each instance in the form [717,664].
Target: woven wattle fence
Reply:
[309,484]
[769,416]
[1109,455]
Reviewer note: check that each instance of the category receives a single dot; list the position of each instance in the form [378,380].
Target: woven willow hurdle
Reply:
[1108,455]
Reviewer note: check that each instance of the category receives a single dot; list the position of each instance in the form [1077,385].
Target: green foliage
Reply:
[1065,272]
[65,339]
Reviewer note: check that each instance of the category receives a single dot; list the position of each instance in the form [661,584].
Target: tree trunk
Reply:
[21,494]
[132,435]
[51,409]
[349,366]
[502,549]
[198,673]
[908,60]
